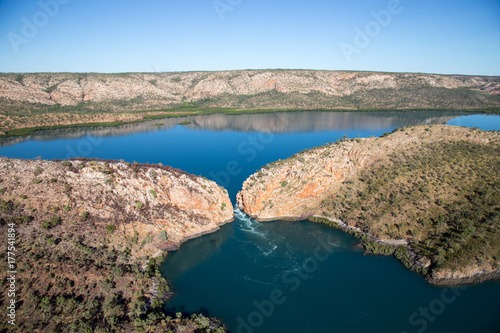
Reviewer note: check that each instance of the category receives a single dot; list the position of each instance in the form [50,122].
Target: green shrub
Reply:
[25,219]
[52,222]
[84,215]
[23,196]
[284,183]
[37,181]
[66,163]
[38,170]
[163,235]
[110,228]
[138,204]
[3,190]
[153,193]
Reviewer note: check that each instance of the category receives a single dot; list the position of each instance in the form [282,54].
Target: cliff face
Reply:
[138,200]
[89,240]
[248,88]
[296,186]
[432,187]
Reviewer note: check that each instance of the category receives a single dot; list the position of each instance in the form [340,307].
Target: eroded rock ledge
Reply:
[89,239]
[434,188]
[165,205]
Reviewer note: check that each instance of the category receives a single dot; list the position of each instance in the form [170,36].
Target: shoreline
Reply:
[165,248]
[417,263]
[178,113]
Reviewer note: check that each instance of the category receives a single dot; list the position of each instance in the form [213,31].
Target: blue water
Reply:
[281,276]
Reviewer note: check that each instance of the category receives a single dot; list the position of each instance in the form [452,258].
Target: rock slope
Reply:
[248,88]
[88,237]
[432,187]
[162,203]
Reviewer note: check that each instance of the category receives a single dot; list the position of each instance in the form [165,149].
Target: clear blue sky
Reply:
[432,36]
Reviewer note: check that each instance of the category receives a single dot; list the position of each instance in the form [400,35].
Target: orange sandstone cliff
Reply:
[161,204]
[431,190]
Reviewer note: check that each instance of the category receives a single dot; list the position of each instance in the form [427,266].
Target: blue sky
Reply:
[449,37]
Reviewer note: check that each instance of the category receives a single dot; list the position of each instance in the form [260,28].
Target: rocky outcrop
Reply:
[299,88]
[417,188]
[473,275]
[296,186]
[165,206]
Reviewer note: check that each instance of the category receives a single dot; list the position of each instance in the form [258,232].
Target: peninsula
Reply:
[427,194]
[89,238]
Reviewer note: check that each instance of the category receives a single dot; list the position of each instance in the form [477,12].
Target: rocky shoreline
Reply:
[329,185]
[476,278]
[92,230]
[418,263]
[170,246]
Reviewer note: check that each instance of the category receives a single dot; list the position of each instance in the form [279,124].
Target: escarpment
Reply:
[164,205]
[87,239]
[434,188]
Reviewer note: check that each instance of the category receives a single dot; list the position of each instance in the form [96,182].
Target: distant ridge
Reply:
[280,88]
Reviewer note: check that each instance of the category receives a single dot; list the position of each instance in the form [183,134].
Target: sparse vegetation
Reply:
[79,273]
[411,91]
[51,223]
[438,193]
[110,228]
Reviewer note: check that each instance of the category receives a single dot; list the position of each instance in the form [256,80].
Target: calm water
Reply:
[279,276]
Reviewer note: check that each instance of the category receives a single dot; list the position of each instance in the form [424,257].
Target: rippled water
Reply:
[304,277]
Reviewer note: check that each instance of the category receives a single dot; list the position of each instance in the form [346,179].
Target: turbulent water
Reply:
[281,276]
[303,277]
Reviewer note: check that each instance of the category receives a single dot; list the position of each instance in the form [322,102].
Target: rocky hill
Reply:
[431,189]
[23,93]
[87,233]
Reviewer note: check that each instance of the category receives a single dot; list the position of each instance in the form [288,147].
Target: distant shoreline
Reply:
[176,113]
